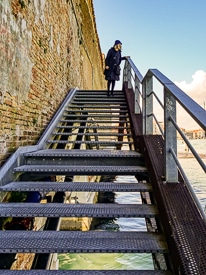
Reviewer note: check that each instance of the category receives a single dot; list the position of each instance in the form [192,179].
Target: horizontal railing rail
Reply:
[148,104]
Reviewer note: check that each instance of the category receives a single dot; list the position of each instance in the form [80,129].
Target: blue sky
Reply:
[169,35]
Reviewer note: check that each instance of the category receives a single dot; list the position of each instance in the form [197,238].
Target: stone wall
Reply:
[47,47]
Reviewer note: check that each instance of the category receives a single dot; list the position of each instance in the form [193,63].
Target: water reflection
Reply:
[105,261]
[113,261]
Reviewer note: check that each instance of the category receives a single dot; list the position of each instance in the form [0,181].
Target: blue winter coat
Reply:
[113,59]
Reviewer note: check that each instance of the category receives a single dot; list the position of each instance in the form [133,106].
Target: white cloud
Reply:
[196,89]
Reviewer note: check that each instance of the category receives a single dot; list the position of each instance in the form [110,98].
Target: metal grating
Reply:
[94,127]
[102,142]
[84,272]
[92,121]
[77,186]
[108,134]
[85,153]
[99,210]
[69,114]
[118,101]
[110,106]
[82,170]
[100,111]
[179,215]
[81,242]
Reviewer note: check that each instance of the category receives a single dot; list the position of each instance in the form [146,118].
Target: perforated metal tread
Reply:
[94,127]
[100,95]
[85,153]
[100,142]
[106,105]
[101,101]
[100,111]
[77,186]
[98,210]
[72,114]
[82,157]
[84,272]
[113,134]
[104,95]
[82,170]
[97,93]
[92,121]
[81,242]
[69,114]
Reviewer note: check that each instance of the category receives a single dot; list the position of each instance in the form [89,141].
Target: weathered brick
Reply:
[42,59]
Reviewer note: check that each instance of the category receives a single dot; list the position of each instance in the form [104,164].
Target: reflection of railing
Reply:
[145,98]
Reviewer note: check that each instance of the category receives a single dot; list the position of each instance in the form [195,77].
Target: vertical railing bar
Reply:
[160,128]
[137,108]
[170,135]
[129,74]
[196,155]
[157,98]
[147,106]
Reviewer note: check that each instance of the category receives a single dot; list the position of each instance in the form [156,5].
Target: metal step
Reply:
[93,121]
[76,186]
[81,170]
[84,272]
[100,106]
[94,115]
[94,127]
[82,157]
[93,142]
[100,101]
[98,210]
[81,242]
[97,93]
[100,98]
[100,111]
[85,153]
[92,134]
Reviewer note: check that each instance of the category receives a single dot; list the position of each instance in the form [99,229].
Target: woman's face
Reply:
[118,47]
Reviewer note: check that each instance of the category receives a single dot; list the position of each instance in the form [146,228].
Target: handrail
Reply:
[171,95]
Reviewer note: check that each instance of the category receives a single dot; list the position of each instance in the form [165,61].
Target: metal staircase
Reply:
[93,138]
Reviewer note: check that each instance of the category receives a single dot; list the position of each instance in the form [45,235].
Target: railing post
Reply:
[147,105]
[171,172]
[137,109]
[127,74]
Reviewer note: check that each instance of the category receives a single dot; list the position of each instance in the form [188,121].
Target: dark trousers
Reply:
[109,83]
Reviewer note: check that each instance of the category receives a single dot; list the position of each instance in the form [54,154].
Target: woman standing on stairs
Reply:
[112,66]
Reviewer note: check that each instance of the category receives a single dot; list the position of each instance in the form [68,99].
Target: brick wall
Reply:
[46,48]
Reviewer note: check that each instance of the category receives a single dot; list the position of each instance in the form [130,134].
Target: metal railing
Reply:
[145,100]
[16,159]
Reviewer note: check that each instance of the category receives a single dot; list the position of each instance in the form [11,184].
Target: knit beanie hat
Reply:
[117,42]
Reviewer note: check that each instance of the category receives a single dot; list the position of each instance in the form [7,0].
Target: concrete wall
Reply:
[46,48]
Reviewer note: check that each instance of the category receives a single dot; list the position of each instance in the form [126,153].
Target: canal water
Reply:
[119,261]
